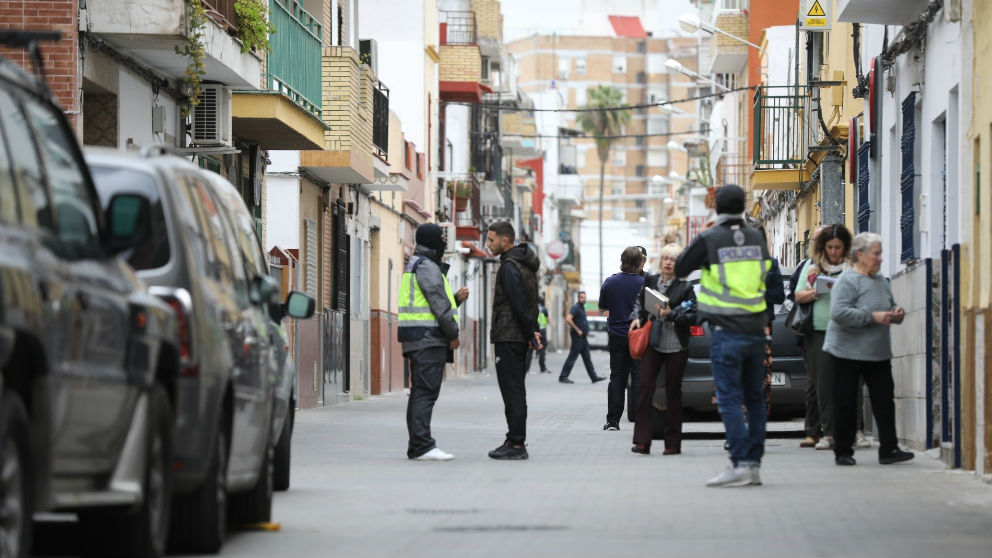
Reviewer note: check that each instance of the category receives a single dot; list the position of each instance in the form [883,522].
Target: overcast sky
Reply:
[522,18]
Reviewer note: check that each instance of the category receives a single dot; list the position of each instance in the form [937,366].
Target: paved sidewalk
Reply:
[583,493]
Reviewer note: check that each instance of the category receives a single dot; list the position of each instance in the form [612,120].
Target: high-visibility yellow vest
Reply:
[734,283]
[415,316]
[542,320]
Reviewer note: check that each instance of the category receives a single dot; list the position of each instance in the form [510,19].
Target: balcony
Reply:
[348,109]
[729,55]
[461,61]
[287,114]
[883,12]
[782,137]
[486,157]
[151,30]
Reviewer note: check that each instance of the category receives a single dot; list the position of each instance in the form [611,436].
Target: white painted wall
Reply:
[282,212]
[283,161]
[135,100]
[457,128]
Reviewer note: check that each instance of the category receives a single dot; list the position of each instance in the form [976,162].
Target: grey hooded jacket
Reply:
[431,280]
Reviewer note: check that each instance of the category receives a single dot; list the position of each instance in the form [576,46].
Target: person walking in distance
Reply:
[428,331]
[514,328]
[617,296]
[542,324]
[734,261]
[578,331]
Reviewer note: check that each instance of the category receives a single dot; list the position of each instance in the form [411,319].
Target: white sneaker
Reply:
[825,443]
[861,441]
[435,455]
[755,474]
[732,476]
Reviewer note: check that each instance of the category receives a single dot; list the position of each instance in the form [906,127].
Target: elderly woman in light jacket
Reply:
[861,311]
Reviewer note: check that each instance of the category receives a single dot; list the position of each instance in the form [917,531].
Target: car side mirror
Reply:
[129,221]
[300,305]
[262,289]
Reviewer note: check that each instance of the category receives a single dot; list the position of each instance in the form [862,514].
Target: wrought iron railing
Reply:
[294,65]
[784,127]
[458,28]
[380,119]
[487,156]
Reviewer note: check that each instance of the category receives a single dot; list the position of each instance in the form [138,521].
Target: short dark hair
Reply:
[504,229]
[631,258]
[581,293]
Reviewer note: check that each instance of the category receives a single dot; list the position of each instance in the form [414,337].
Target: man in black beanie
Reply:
[428,329]
[734,260]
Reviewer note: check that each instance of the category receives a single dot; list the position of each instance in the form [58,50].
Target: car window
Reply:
[154,252]
[8,196]
[597,325]
[208,232]
[244,231]
[32,196]
[75,216]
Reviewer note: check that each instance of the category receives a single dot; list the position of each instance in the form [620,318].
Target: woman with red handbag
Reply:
[668,348]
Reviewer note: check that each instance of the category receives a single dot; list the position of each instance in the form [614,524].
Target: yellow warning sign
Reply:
[817,17]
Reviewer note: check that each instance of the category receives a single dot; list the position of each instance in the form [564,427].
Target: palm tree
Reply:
[601,125]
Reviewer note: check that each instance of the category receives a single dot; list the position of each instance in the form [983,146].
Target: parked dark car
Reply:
[788,369]
[89,359]
[204,259]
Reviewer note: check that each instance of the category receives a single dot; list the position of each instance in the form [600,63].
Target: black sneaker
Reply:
[598,379]
[565,381]
[611,426]
[897,456]
[844,460]
[509,451]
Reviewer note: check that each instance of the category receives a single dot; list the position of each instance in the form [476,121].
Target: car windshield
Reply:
[597,325]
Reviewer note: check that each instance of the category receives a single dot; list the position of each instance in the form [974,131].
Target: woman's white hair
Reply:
[862,243]
[672,250]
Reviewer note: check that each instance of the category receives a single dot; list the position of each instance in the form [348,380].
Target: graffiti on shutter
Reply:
[864,208]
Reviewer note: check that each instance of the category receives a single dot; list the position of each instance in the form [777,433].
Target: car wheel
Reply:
[199,519]
[283,450]
[16,501]
[255,506]
[142,531]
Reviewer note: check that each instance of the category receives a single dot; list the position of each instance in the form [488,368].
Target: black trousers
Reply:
[510,373]
[878,377]
[623,367]
[540,354]
[580,346]
[426,374]
[652,364]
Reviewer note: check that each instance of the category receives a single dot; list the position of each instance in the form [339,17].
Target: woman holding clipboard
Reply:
[668,348]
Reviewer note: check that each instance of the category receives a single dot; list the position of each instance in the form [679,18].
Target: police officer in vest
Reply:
[734,260]
[428,330]
[542,324]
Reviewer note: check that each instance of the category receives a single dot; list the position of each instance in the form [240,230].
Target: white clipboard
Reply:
[653,298]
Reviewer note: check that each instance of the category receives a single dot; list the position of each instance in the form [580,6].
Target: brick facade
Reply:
[735,23]
[488,19]
[61,59]
[347,101]
[460,63]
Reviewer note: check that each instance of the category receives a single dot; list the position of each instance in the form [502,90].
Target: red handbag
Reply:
[639,339]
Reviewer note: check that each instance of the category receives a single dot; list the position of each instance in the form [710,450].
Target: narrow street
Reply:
[583,493]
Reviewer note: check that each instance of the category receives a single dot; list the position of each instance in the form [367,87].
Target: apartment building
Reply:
[639,187]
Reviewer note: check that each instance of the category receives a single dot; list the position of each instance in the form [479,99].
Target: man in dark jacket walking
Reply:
[514,328]
[428,329]
[617,296]
[578,331]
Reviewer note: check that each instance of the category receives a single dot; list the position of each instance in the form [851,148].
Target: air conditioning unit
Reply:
[368,53]
[450,237]
[212,117]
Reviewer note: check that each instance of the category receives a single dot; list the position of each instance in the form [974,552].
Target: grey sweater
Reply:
[852,333]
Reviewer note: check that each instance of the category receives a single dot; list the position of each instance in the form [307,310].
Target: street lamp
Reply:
[675,146]
[690,24]
[677,66]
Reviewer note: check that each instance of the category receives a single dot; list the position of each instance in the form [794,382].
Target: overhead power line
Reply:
[583,109]
[617,136]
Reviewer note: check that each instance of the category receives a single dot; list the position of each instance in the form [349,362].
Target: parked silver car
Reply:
[204,259]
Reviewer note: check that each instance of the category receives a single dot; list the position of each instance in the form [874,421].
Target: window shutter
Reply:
[908,220]
[864,209]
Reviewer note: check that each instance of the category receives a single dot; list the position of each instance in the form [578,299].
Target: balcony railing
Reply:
[380,119]
[458,28]
[783,127]
[487,156]
[222,11]
[295,61]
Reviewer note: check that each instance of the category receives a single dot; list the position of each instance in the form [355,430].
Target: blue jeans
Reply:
[739,374]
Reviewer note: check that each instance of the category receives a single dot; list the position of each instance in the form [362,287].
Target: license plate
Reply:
[778,378]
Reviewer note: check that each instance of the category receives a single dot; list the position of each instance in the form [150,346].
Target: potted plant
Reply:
[463,191]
